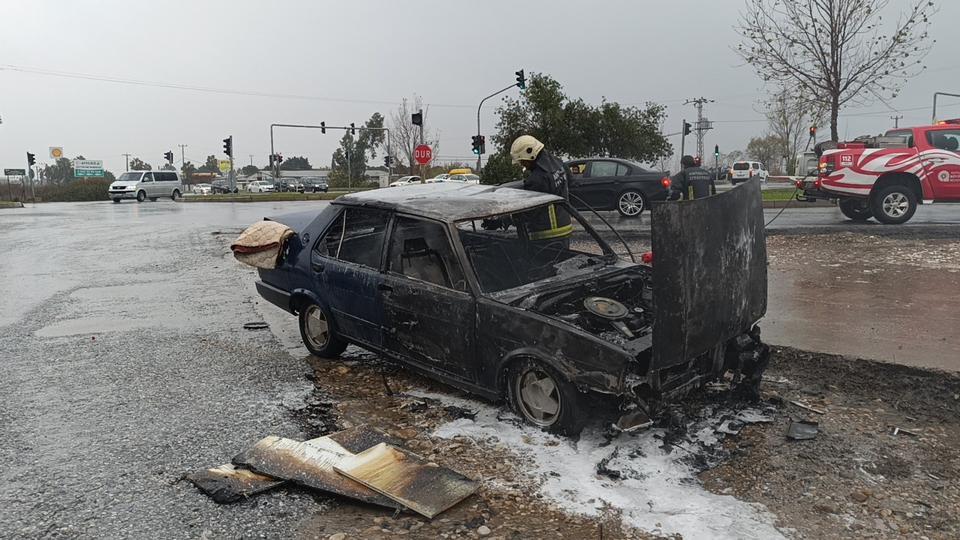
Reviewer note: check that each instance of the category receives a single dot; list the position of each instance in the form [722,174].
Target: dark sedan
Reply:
[446,279]
[615,184]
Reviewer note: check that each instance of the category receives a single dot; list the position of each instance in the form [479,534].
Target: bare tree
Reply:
[790,120]
[406,136]
[835,52]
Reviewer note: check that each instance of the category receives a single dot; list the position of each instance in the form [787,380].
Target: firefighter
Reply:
[546,175]
[693,175]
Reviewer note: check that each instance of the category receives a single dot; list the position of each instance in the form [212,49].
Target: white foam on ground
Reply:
[657,491]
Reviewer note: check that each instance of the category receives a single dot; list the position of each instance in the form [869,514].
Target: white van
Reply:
[142,185]
[745,170]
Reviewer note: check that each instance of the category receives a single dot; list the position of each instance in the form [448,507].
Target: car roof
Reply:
[449,202]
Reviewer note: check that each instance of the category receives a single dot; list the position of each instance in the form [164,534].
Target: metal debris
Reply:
[633,421]
[803,430]
[403,477]
[808,407]
[259,325]
[899,430]
[311,463]
[228,483]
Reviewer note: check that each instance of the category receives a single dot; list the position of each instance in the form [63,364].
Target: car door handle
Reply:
[385,288]
[317,267]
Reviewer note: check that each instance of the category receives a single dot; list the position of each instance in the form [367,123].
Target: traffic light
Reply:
[323,127]
[228,146]
[521,80]
[478,144]
[279,159]
[686,127]
[386,161]
[168,156]
[813,131]
[31,159]
[353,129]
[417,118]
[716,151]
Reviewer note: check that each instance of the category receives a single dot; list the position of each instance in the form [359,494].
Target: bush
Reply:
[87,189]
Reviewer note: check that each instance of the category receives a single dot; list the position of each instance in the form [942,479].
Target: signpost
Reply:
[224,165]
[14,172]
[83,168]
[56,152]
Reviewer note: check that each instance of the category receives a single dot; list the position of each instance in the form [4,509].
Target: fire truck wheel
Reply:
[894,204]
[856,209]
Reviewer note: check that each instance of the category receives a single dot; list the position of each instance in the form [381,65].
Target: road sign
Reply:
[87,167]
[14,172]
[422,154]
[56,152]
[224,165]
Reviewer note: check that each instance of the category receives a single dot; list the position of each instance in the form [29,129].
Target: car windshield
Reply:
[130,177]
[505,256]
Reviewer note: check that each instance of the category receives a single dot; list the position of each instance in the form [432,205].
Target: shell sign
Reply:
[56,152]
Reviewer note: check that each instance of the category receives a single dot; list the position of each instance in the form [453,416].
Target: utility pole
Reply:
[251,159]
[183,161]
[128,161]
[896,120]
[703,125]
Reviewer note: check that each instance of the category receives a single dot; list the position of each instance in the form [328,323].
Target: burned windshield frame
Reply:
[502,256]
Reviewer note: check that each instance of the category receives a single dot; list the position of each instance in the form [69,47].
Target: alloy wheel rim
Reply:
[318,331]
[895,205]
[539,397]
[631,203]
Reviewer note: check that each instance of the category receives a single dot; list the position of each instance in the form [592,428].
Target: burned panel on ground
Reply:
[229,484]
[709,281]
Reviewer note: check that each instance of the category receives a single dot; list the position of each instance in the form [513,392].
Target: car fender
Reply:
[597,381]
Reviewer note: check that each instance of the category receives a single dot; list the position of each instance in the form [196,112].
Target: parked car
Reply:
[468,178]
[745,170]
[221,185]
[314,185]
[437,179]
[418,274]
[202,189]
[260,186]
[615,184]
[143,185]
[405,180]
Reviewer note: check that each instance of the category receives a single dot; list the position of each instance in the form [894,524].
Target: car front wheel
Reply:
[545,399]
[894,204]
[175,195]
[631,203]
[856,209]
[141,196]
[317,333]
[116,200]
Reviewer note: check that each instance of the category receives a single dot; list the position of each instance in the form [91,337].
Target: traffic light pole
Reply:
[683,137]
[498,92]
[233,176]
[324,128]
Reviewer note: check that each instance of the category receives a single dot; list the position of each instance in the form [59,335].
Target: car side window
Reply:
[622,170]
[577,170]
[945,139]
[600,169]
[421,250]
[356,236]
[147,177]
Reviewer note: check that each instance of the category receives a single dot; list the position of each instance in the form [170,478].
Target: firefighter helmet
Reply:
[526,147]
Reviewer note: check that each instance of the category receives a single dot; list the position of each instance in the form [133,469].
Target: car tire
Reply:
[175,195]
[894,204]
[542,397]
[153,199]
[317,332]
[856,209]
[141,196]
[631,203]
[116,200]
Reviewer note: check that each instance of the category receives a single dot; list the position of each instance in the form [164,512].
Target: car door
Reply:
[345,262]
[430,310]
[577,173]
[603,179]
[942,163]
[148,185]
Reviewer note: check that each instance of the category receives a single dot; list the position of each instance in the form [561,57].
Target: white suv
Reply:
[143,185]
[745,170]
[260,186]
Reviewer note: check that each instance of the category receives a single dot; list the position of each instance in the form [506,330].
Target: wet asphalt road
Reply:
[125,365]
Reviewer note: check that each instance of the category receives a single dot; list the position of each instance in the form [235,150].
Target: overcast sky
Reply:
[364,56]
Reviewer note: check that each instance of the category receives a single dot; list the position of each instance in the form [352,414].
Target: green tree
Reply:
[295,163]
[767,150]
[187,171]
[168,167]
[137,164]
[500,169]
[211,165]
[247,170]
[350,160]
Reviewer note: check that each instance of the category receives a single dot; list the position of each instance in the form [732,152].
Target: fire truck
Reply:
[887,177]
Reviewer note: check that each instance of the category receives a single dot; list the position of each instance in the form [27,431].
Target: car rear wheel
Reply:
[545,399]
[141,196]
[856,209]
[317,334]
[116,200]
[631,203]
[894,204]
[175,195]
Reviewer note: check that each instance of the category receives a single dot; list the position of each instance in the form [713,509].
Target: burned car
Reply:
[453,281]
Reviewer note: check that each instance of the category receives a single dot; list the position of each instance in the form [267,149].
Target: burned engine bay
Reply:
[617,308]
